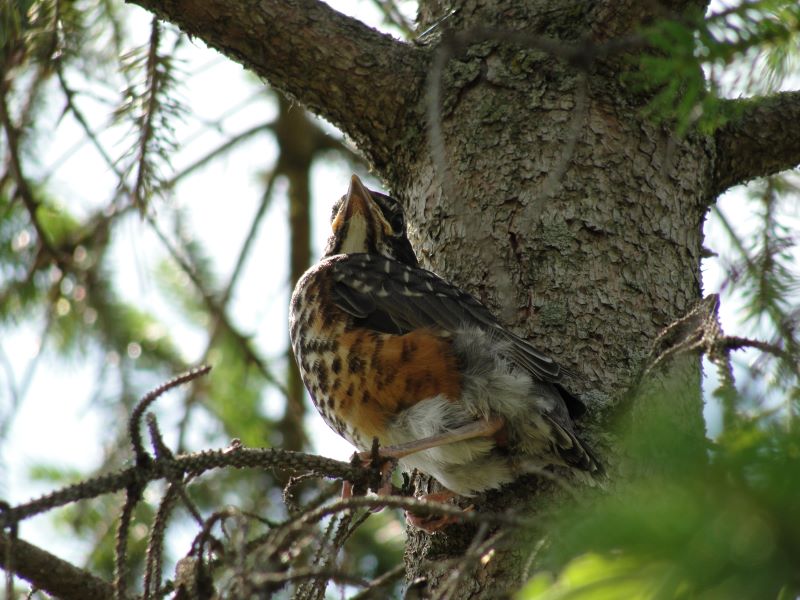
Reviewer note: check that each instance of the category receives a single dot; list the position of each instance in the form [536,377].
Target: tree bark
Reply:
[760,139]
[47,572]
[543,190]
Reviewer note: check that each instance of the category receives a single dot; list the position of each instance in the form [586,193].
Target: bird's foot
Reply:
[385,462]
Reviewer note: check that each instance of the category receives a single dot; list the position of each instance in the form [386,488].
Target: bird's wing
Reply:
[389,296]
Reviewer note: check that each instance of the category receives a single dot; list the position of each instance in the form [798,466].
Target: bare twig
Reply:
[134,423]
[700,331]
[324,555]
[271,579]
[266,199]
[155,545]
[24,190]
[132,496]
[422,508]
[375,590]
[478,548]
[188,464]
[394,16]
[215,153]
[69,95]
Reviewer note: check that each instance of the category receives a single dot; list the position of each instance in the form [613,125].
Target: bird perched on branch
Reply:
[391,351]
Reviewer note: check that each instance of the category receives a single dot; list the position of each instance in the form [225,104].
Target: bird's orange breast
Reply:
[383,374]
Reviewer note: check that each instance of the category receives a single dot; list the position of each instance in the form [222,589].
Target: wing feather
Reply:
[392,297]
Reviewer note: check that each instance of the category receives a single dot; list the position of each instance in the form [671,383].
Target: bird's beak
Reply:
[352,223]
[357,199]
[355,204]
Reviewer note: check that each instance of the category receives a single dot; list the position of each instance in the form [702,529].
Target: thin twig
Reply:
[375,590]
[422,508]
[134,423]
[271,579]
[132,496]
[69,95]
[314,588]
[155,545]
[474,553]
[214,153]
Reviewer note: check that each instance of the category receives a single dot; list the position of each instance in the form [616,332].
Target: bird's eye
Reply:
[398,223]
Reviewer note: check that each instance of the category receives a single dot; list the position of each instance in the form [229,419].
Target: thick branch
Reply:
[760,140]
[52,574]
[363,81]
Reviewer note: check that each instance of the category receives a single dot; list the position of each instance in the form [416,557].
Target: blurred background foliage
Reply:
[713,530]
[106,83]
[105,158]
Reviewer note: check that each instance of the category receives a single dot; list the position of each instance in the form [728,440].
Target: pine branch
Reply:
[51,574]
[188,464]
[363,81]
[760,140]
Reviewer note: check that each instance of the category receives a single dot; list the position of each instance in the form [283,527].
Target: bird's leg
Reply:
[476,429]
[386,473]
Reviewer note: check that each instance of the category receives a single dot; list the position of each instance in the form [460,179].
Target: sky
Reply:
[220,203]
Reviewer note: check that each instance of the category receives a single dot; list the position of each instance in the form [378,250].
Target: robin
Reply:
[389,350]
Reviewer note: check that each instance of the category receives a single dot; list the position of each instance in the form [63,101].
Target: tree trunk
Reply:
[574,219]
[530,177]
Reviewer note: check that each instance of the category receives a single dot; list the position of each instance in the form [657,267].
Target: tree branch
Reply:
[760,140]
[186,464]
[363,81]
[52,574]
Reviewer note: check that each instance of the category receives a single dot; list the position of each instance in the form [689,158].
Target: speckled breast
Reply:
[359,379]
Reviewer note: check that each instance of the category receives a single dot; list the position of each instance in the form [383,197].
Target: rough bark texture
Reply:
[759,140]
[575,219]
[49,573]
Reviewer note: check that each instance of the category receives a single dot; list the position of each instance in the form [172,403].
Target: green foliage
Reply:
[764,34]
[235,394]
[715,529]
[764,273]
[152,108]
[20,288]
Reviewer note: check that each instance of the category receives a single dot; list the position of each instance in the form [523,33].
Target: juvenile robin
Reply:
[391,351]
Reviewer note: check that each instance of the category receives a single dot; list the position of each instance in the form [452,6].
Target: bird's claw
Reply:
[373,458]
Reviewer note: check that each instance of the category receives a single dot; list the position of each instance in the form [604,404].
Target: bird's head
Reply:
[369,222]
